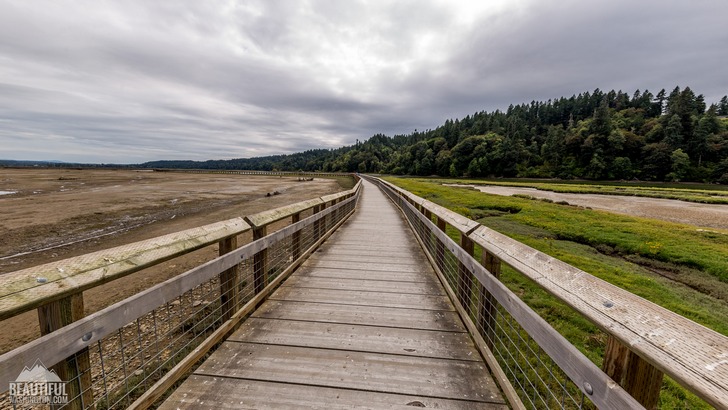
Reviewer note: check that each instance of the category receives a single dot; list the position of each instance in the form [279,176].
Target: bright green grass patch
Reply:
[709,194]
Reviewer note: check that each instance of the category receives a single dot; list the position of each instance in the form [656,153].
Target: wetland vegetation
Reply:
[677,266]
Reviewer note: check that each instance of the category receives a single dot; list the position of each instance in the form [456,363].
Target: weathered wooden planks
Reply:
[376,339]
[221,393]
[364,323]
[365,315]
[381,275]
[412,268]
[366,285]
[363,298]
[385,373]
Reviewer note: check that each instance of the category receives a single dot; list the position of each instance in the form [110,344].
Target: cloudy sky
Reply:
[137,80]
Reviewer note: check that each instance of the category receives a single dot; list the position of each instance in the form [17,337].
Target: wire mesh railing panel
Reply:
[129,361]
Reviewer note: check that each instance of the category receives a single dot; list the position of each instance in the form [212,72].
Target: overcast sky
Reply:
[137,80]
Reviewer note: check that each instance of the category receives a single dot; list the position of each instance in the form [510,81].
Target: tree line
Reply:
[594,135]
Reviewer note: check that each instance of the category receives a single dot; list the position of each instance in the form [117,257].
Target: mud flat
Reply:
[54,214]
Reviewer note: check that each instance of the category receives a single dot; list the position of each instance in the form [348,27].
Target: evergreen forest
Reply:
[595,135]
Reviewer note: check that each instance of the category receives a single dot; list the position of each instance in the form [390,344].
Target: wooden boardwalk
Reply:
[364,323]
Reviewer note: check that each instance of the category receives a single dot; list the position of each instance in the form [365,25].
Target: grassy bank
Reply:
[672,265]
[700,193]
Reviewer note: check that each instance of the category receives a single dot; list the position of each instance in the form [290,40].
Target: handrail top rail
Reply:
[274,215]
[32,287]
[690,353]
[337,195]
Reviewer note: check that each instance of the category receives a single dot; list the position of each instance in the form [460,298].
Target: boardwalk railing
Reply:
[251,172]
[130,353]
[543,368]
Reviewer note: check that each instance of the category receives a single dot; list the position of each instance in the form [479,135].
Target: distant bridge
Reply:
[360,299]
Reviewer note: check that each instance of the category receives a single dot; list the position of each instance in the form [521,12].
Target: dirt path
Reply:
[59,213]
[701,215]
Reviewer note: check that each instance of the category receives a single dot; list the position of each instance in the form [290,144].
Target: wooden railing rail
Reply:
[252,172]
[645,340]
[30,288]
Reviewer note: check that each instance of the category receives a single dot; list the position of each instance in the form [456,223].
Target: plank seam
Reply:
[363,324]
[347,388]
[453,359]
[363,305]
[298,286]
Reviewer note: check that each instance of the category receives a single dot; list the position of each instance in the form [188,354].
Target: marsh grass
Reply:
[700,193]
[673,265]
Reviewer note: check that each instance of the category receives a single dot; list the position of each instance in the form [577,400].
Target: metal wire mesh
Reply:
[537,379]
[123,365]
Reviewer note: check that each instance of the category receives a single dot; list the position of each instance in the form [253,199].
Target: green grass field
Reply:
[673,265]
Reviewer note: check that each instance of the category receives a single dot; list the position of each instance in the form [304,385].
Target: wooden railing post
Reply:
[487,312]
[260,261]
[616,356]
[643,381]
[321,223]
[638,377]
[75,370]
[440,248]
[465,277]
[296,239]
[334,214]
[431,236]
[316,224]
[228,280]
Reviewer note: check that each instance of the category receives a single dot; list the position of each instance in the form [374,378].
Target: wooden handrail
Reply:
[30,288]
[693,355]
[686,351]
[274,215]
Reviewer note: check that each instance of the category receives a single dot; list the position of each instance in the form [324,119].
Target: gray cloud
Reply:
[132,81]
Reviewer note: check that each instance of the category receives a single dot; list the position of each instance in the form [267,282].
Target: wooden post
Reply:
[75,370]
[322,223]
[616,356]
[316,228]
[487,313]
[228,280]
[431,236]
[639,378]
[465,277]
[260,261]
[643,381]
[296,239]
[335,214]
[440,248]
